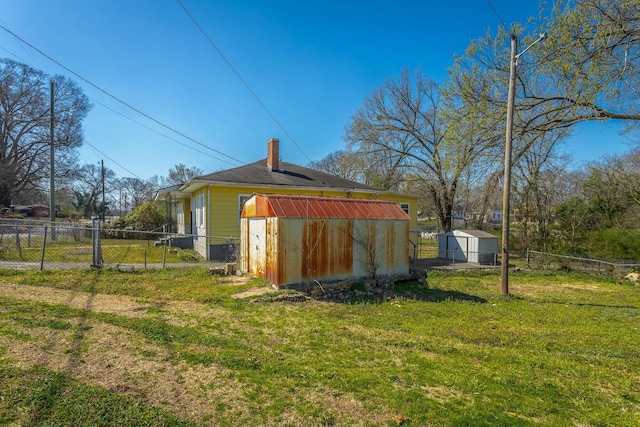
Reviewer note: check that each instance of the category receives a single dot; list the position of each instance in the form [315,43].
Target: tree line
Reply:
[445,141]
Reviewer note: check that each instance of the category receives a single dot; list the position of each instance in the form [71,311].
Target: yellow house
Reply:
[209,206]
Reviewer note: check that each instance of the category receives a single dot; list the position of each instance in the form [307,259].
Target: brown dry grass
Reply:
[178,313]
[569,289]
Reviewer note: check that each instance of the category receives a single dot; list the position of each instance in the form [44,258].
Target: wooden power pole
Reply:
[52,187]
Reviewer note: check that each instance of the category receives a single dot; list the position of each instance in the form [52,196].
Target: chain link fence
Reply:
[31,244]
[546,261]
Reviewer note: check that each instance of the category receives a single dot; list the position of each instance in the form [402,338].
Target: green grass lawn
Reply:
[175,347]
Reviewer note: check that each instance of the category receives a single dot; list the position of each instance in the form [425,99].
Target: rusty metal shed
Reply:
[290,239]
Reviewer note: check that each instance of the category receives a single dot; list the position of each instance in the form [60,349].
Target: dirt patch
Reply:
[443,394]
[235,279]
[254,292]
[346,409]
[533,289]
[177,312]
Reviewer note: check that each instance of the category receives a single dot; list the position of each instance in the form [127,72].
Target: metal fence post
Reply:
[95,241]
[527,258]
[18,247]
[44,246]
[164,255]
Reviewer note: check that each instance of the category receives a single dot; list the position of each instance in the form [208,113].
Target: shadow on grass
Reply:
[417,290]
[409,290]
[440,295]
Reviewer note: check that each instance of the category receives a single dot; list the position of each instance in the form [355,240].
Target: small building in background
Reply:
[35,211]
[292,239]
[468,246]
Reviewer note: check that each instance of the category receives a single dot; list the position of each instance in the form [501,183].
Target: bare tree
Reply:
[88,189]
[135,191]
[24,127]
[377,169]
[179,174]
[409,122]
[342,163]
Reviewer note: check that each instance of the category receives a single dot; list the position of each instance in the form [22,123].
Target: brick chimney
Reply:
[273,154]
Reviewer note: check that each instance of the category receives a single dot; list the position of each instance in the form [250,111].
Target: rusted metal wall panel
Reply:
[290,246]
[272,255]
[335,249]
[301,250]
[258,247]
[381,248]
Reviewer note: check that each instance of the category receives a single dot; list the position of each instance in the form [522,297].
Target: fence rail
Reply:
[31,244]
[547,261]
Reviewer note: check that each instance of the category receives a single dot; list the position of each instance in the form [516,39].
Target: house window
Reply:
[242,199]
[180,217]
[198,202]
[405,207]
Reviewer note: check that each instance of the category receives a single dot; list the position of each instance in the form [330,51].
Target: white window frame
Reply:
[405,207]
[198,202]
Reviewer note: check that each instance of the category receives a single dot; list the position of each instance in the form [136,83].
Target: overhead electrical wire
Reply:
[160,133]
[126,104]
[118,164]
[244,82]
[496,13]
[25,50]
[135,121]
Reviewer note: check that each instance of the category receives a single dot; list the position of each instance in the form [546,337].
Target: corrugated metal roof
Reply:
[292,206]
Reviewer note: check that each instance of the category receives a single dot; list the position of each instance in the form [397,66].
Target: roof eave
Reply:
[195,185]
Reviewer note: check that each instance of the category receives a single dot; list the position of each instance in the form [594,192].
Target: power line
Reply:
[118,164]
[21,45]
[160,133]
[118,99]
[496,13]
[244,82]
[131,119]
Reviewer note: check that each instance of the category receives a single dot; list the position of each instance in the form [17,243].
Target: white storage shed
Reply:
[468,246]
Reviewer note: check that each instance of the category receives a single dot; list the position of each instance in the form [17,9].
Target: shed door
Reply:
[257,246]
[455,249]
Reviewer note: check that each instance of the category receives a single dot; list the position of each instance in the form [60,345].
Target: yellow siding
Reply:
[187,210]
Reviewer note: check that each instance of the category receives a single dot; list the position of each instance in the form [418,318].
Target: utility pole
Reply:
[504,277]
[506,191]
[52,186]
[103,205]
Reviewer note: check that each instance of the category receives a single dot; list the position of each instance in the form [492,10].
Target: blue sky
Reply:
[311,63]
